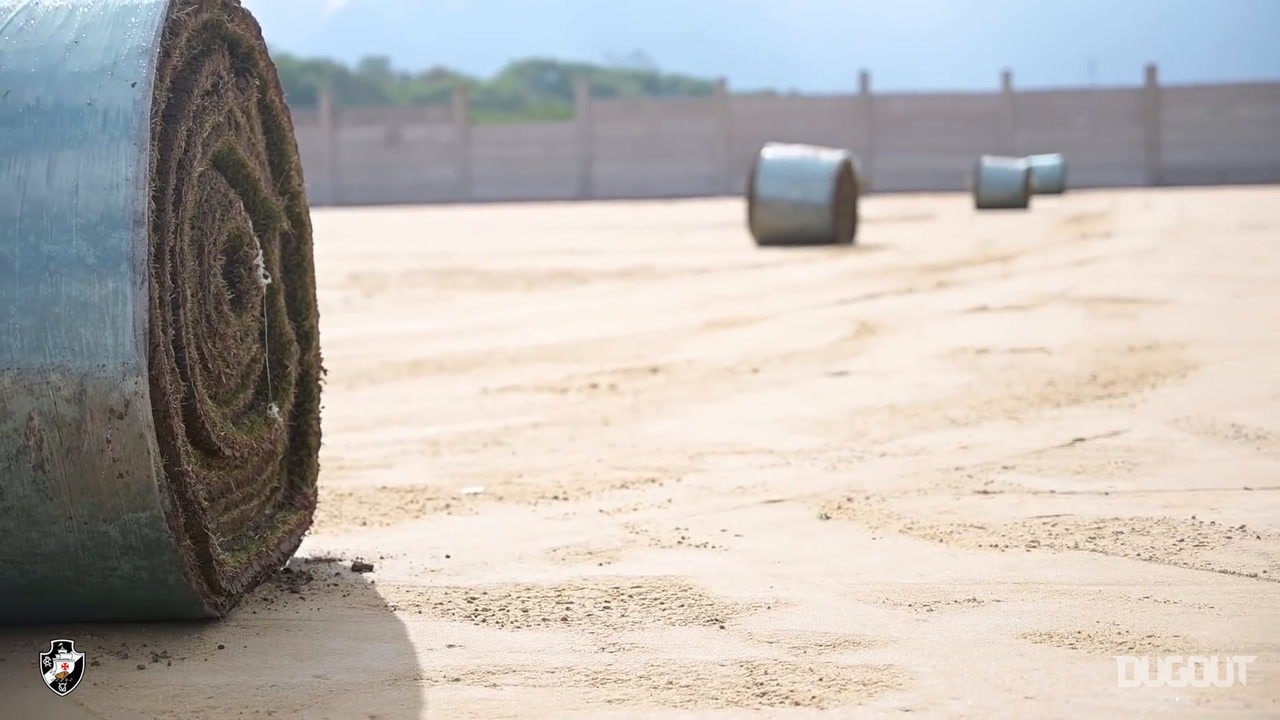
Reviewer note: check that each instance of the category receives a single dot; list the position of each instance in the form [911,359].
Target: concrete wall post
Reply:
[330,178]
[868,104]
[586,138]
[1151,126]
[1008,141]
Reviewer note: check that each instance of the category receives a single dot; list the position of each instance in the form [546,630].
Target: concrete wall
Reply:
[682,147]
[1223,134]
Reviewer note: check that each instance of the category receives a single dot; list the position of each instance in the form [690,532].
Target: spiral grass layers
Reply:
[195,474]
[234,343]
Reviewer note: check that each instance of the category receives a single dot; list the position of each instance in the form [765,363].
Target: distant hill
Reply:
[532,89]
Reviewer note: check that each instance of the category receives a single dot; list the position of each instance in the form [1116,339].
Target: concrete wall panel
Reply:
[930,142]
[646,148]
[1218,135]
[1101,132]
[395,164]
[678,147]
[528,161]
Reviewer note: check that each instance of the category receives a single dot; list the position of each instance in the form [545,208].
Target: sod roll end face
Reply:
[159,347]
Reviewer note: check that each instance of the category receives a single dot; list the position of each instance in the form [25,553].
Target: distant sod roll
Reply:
[802,195]
[1048,174]
[160,361]
[1001,183]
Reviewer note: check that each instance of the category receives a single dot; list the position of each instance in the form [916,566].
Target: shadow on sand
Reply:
[315,641]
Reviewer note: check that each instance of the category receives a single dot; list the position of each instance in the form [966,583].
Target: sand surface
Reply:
[612,461]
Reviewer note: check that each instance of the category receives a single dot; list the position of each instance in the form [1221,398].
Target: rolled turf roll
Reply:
[1048,174]
[802,195]
[1001,183]
[159,347]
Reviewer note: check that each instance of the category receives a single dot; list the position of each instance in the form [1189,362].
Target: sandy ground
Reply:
[612,461]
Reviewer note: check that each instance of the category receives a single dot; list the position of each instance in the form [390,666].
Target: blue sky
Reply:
[808,45]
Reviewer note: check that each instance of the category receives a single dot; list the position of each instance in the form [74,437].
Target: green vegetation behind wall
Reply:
[525,90]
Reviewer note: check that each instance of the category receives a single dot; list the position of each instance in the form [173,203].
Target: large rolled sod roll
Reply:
[159,348]
[1001,183]
[1048,174]
[802,195]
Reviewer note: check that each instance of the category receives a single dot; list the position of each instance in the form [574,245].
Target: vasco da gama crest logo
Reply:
[62,667]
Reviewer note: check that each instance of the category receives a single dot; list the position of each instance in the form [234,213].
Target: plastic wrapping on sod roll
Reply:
[1002,183]
[1048,174]
[159,347]
[802,195]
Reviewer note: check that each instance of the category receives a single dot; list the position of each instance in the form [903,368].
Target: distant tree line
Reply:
[531,89]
